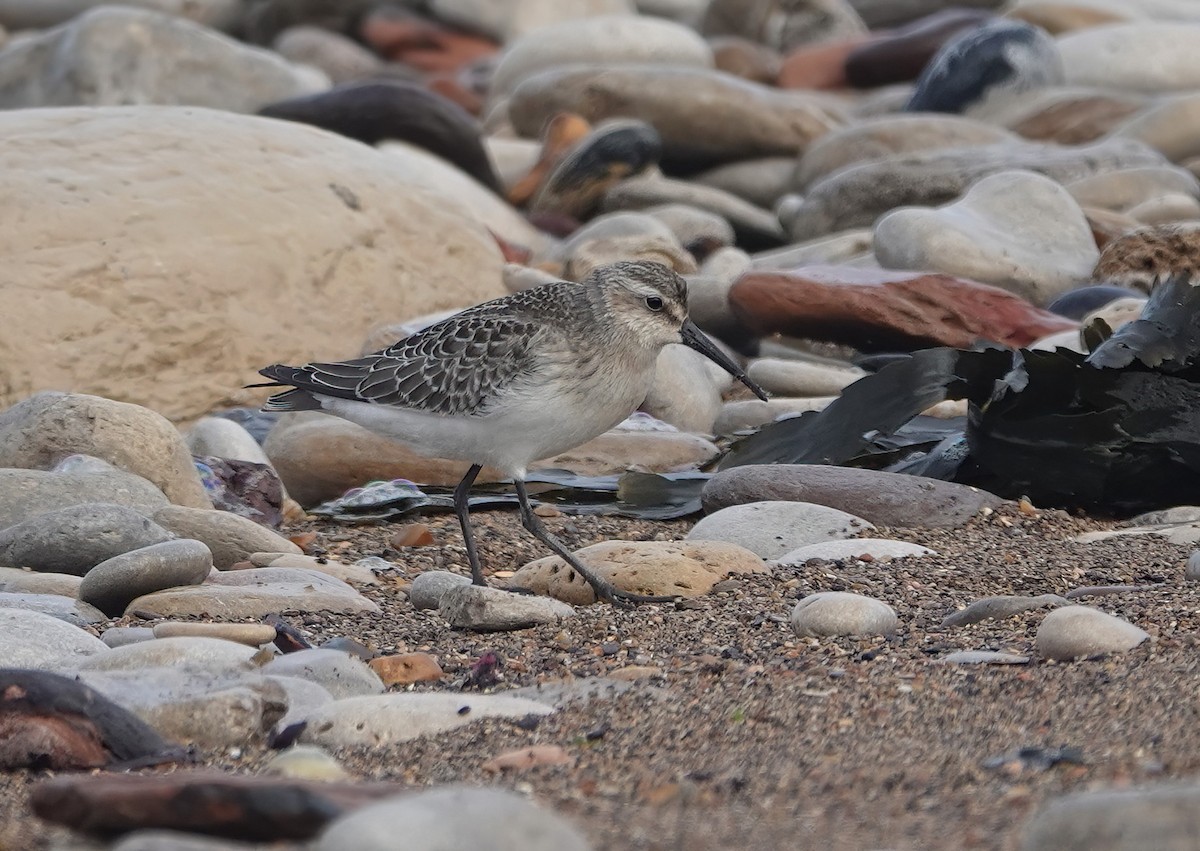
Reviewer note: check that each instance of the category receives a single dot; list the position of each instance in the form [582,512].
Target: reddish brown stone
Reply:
[403,37]
[900,56]
[744,58]
[411,535]
[883,310]
[405,668]
[451,87]
[820,66]
[235,807]
[1079,119]
[562,133]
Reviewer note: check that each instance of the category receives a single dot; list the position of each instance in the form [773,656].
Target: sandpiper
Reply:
[514,380]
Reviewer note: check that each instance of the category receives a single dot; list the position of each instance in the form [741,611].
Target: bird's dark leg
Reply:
[604,589]
[461,494]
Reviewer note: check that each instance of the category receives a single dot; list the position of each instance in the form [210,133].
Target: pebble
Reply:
[306,762]
[221,437]
[885,499]
[119,636]
[251,634]
[405,668]
[677,568]
[1017,230]
[113,583]
[863,549]
[998,60]
[771,529]
[1143,56]
[833,613]
[428,588]
[382,720]
[484,609]
[341,58]
[801,378]
[1000,607]
[760,182]
[229,537]
[74,540]
[19,581]
[1072,632]
[32,639]
[339,673]
[239,594]
[196,653]
[41,429]
[359,573]
[432,820]
[982,657]
[76,612]
[1161,816]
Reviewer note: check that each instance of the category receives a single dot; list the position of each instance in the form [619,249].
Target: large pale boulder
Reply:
[160,255]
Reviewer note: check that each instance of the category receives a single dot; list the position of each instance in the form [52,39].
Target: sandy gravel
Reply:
[749,737]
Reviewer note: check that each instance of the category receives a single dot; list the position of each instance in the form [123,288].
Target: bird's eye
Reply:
[654,302]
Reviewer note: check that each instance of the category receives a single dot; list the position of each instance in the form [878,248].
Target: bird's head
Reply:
[649,301]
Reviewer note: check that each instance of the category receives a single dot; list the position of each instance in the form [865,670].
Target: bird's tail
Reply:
[295,399]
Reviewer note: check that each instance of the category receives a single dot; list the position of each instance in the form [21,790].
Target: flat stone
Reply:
[32,639]
[1168,125]
[28,493]
[1180,534]
[833,613]
[243,594]
[1017,230]
[676,568]
[501,821]
[1141,56]
[794,378]
[874,549]
[74,540]
[982,657]
[857,197]
[617,450]
[428,588]
[1077,631]
[770,529]
[1000,607]
[381,720]
[757,121]
[250,634]
[885,499]
[69,609]
[18,581]
[110,585]
[484,609]
[357,573]
[882,310]
[341,674]
[1126,189]
[405,668]
[229,537]
[119,636]
[193,652]
[751,413]
[1070,115]
[1165,817]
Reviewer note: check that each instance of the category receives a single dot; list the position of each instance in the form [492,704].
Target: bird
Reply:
[514,380]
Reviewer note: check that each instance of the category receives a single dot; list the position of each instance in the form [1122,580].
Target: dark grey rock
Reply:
[28,493]
[1165,818]
[74,540]
[112,584]
[885,499]
[1000,58]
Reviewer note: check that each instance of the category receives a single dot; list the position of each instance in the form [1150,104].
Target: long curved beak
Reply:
[698,340]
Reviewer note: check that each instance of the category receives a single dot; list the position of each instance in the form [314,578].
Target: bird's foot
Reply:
[610,593]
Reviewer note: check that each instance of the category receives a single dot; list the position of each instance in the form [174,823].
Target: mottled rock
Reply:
[609,40]
[1017,230]
[1137,258]
[1141,56]
[678,568]
[862,549]
[74,540]
[900,55]
[255,594]
[857,197]
[501,821]
[756,121]
[341,674]
[32,639]
[78,63]
[110,585]
[831,613]
[886,499]
[47,427]
[998,60]
[770,529]
[881,310]
[428,588]
[229,538]
[381,720]
[1074,631]
[484,609]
